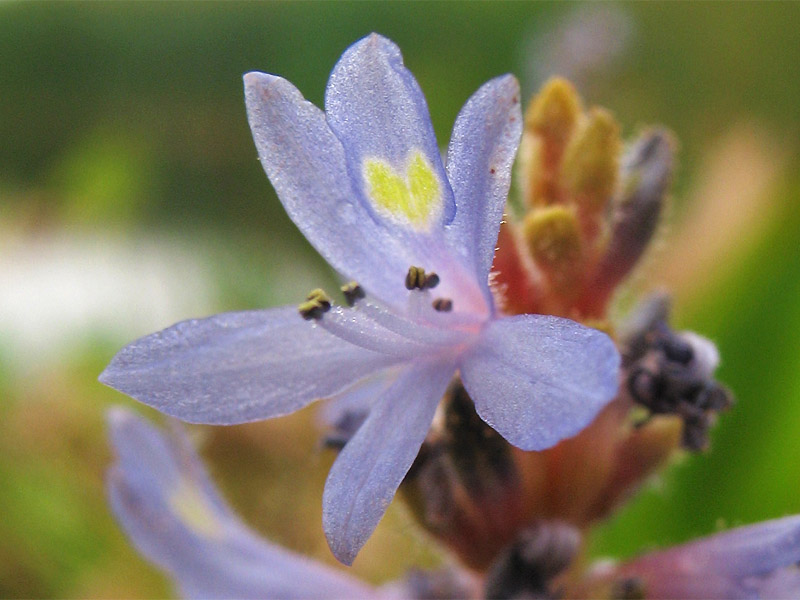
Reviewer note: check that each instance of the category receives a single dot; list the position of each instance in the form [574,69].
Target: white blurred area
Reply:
[62,290]
[57,289]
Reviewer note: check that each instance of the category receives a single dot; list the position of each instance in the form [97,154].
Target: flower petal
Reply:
[482,149]
[783,583]
[539,379]
[376,108]
[305,163]
[238,367]
[368,471]
[164,500]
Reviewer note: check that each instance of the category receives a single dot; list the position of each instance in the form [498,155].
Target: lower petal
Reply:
[367,473]
[539,379]
[239,367]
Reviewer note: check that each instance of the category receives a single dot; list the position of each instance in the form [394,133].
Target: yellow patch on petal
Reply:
[413,197]
[194,510]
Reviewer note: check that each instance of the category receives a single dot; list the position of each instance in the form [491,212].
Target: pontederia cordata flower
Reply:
[364,181]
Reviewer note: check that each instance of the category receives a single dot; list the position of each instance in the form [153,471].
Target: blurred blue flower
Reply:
[166,503]
[164,500]
[365,182]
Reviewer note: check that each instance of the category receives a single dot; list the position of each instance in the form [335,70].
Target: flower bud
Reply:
[646,173]
[553,112]
[554,242]
[591,162]
[549,122]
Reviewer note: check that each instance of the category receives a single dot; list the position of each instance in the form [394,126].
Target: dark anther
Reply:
[643,386]
[417,279]
[414,277]
[317,304]
[630,588]
[431,281]
[676,349]
[443,304]
[352,293]
[344,429]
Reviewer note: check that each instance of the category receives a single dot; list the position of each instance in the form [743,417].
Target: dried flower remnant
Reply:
[530,567]
[670,373]
[464,486]
[365,183]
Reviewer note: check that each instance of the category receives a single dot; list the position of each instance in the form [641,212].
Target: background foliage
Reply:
[131,197]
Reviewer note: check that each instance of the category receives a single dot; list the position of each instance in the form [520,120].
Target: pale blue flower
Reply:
[364,181]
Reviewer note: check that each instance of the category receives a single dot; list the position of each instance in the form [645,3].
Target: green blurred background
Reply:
[131,197]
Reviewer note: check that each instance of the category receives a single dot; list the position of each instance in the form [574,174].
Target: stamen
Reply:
[426,333]
[352,293]
[317,304]
[355,327]
[417,279]
[443,304]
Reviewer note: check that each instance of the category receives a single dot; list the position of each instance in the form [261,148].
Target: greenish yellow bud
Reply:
[550,120]
[554,111]
[553,238]
[591,161]
[646,172]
